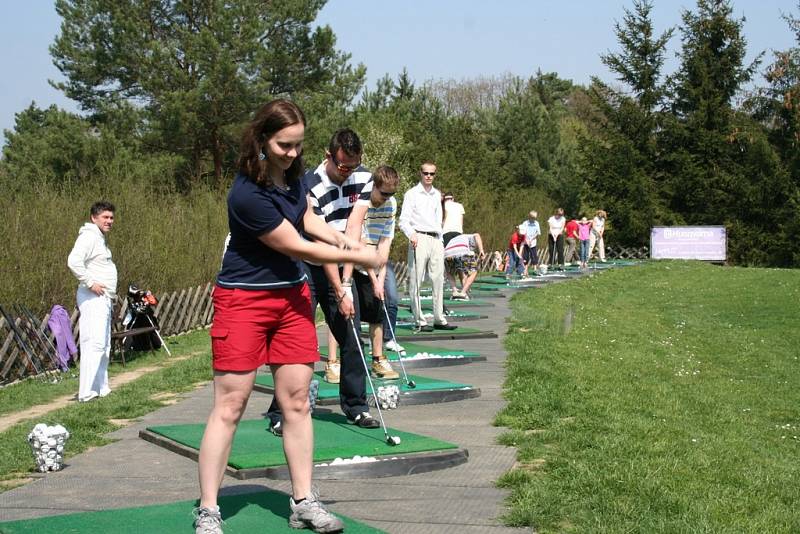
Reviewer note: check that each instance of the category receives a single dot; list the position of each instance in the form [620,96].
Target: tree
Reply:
[698,149]
[198,69]
[619,151]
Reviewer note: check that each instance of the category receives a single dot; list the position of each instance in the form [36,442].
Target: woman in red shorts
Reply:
[262,309]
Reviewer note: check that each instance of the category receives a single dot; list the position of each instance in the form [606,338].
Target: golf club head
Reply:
[412,384]
[393,440]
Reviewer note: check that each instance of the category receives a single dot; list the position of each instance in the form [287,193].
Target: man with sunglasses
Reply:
[335,186]
[421,222]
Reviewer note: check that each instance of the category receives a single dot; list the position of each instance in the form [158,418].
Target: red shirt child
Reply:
[572,228]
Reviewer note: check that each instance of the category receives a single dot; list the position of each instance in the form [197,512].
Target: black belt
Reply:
[432,234]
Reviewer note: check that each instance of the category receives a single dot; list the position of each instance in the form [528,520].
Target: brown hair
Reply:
[385,175]
[269,120]
[101,206]
[426,162]
[347,140]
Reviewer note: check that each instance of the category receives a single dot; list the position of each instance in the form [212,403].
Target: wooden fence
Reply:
[177,312]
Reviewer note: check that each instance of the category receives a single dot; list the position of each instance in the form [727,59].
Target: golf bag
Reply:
[141,314]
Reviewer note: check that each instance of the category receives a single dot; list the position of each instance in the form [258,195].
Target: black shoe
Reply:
[364,420]
[444,327]
[277,429]
[425,328]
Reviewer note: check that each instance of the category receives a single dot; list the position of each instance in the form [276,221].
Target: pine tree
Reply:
[199,68]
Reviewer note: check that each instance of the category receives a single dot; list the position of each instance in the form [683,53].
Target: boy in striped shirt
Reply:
[377,231]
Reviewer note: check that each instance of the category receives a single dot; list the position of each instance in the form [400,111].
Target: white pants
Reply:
[601,247]
[428,256]
[95,340]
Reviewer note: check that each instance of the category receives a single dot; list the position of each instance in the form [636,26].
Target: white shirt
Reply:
[532,232]
[453,217]
[90,260]
[556,225]
[422,211]
[598,223]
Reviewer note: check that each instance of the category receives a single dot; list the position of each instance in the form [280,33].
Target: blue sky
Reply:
[450,39]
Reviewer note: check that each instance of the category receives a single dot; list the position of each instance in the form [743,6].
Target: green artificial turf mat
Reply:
[427,303]
[331,391]
[412,349]
[264,511]
[406,315]
[255,447]
[410,329]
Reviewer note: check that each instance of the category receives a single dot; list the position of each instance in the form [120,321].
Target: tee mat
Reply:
[421,356]
[341,450]
[262,511]
[407,332]
[427,390]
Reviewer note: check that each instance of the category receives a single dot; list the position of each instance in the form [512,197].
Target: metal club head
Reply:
[393,440]
[412,384]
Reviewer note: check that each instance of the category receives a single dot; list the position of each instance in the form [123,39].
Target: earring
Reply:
[262,156]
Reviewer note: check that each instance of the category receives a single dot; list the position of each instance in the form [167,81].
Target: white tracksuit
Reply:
[90,262]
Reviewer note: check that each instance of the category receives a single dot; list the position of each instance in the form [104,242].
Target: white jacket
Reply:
[90,260]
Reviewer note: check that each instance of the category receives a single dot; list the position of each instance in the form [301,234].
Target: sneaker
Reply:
[364,420]
[424,328]
[277,429]
[207,520]
[312,514]
[332,370]
[458,296]
[383,369]
[93,395]
[394,346]
[444,327]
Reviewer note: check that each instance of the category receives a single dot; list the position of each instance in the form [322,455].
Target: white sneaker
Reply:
[393,346]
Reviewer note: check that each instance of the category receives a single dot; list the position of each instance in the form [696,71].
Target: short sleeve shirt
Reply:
[460,245]
[556,225]
[453,217]
[253,211]
[516,239]
[379,222]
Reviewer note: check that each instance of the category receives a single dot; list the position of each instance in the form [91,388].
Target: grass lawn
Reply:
[659,398]
[88,422]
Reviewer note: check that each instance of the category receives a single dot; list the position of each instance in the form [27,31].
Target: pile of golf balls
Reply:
[47,444]
[389,397]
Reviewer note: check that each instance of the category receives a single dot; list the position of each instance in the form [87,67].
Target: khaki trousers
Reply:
[428,258]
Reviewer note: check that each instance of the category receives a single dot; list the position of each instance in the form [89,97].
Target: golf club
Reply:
[410,383]
[390,440]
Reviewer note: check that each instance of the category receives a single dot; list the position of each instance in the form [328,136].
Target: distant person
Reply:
[461,258]
[453,224]
[572,242]
[584,231]
[530,255]
[555,237]
[515,244]
[421,222]
[263,312]
[90,261]
[598,229]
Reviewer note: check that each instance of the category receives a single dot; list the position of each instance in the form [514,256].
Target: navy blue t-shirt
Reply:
[254,210]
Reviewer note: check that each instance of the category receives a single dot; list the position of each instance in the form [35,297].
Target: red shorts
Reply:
[253,328]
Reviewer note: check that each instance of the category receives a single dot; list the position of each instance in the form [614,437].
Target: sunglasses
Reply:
[384,194]
[428,173]
[344,169]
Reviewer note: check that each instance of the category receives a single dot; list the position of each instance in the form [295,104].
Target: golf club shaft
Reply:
[369,378]
[394,339]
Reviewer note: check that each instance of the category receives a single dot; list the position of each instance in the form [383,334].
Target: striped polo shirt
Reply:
[379,222]
[334,202]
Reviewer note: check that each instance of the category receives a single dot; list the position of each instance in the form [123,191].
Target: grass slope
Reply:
[660,398]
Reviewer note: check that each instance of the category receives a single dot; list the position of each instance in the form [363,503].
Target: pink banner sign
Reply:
[688,243]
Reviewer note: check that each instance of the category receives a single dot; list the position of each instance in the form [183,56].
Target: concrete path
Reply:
[464,499]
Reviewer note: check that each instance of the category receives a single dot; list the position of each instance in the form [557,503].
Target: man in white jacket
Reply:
[90,262]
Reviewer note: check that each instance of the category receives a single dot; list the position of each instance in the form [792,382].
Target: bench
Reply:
[118,339]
